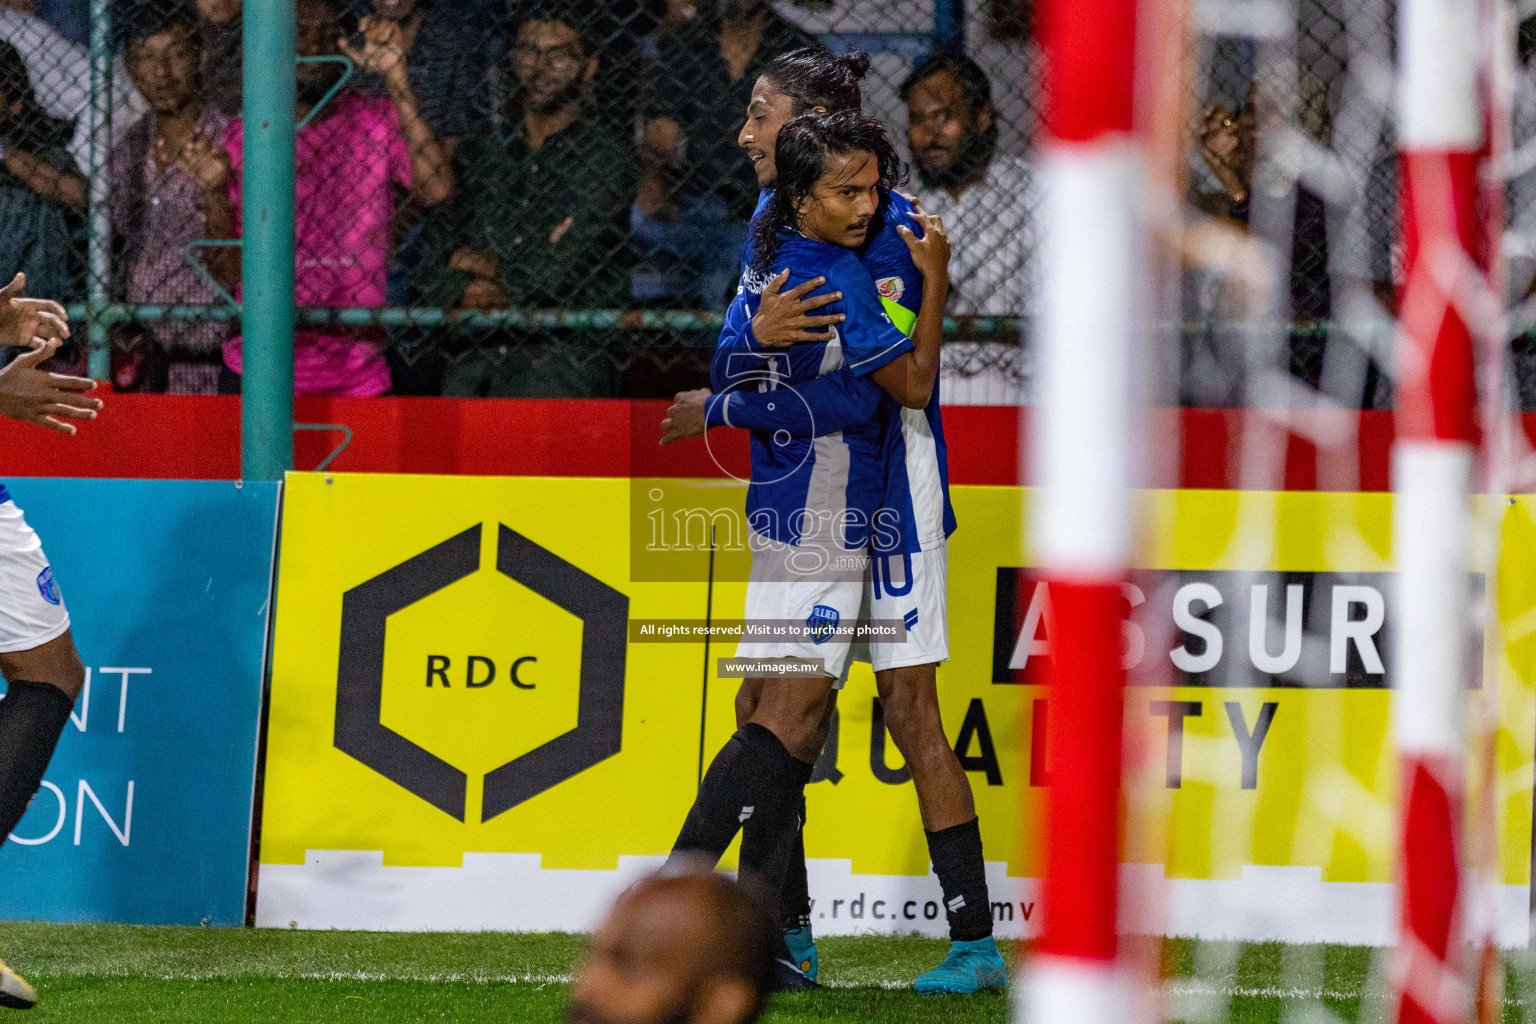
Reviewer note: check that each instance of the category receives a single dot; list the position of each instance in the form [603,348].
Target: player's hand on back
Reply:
[788,318]
[685,417]
[931,252]
[28,323]
[34,395]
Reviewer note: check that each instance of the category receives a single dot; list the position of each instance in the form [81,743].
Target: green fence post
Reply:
[266,278]
[99,217]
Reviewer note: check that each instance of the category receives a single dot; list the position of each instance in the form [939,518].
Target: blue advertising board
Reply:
[144,815]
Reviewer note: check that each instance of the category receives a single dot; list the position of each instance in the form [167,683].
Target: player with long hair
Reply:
[909,572]
[807,80]
[812,502]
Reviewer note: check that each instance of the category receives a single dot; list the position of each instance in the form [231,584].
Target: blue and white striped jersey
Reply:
[916,513]
[807,489]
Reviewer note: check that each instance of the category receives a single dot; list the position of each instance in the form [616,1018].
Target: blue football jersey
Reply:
[916,512]
[812,489]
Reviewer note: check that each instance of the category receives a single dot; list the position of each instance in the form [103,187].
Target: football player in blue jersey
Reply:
[812,500]
[37,653]
[908,577]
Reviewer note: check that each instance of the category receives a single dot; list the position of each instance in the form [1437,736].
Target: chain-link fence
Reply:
[548,198]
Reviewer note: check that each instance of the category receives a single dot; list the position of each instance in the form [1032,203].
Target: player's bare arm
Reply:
[911,378]
[28,323]
[49,400]
[787,318]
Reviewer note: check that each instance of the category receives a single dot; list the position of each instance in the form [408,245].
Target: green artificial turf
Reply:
[91,973]
[99,973]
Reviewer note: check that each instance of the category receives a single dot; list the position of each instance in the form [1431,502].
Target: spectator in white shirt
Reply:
[988,199]
[61,73]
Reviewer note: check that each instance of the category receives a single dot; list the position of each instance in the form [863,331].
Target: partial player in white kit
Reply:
[38,658]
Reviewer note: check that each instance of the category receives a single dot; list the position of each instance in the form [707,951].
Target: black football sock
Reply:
[32,716]
[780,792]
[794,899]
[752,775]
[718,809]
[962,872]
[771,849]
[795,893]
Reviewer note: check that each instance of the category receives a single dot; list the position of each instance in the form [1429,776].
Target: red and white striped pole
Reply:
[1088,341]
[1440,133]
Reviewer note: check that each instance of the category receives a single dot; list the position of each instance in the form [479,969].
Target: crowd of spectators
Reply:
[482,157]
[493,155]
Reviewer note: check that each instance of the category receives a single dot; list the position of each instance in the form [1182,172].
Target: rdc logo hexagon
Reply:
[365,611]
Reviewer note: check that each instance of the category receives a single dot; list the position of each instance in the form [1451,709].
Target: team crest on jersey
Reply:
[822,622]
[47,587]
[753,282]
[892,288]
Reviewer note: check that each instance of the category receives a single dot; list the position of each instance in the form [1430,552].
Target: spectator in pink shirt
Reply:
[361,165]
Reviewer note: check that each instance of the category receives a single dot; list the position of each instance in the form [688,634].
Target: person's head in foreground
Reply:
[690,948]
[808,80]
[951,123]
[834,171]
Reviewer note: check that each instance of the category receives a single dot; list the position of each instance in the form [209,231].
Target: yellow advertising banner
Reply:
[465,734]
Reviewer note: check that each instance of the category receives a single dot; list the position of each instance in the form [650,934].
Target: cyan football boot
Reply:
[969,967]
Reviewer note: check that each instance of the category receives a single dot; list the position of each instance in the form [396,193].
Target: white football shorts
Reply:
[32,609]
[915,589]
[817,586]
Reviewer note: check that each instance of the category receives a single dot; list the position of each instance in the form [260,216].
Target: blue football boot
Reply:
[969,967]
[802,947]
